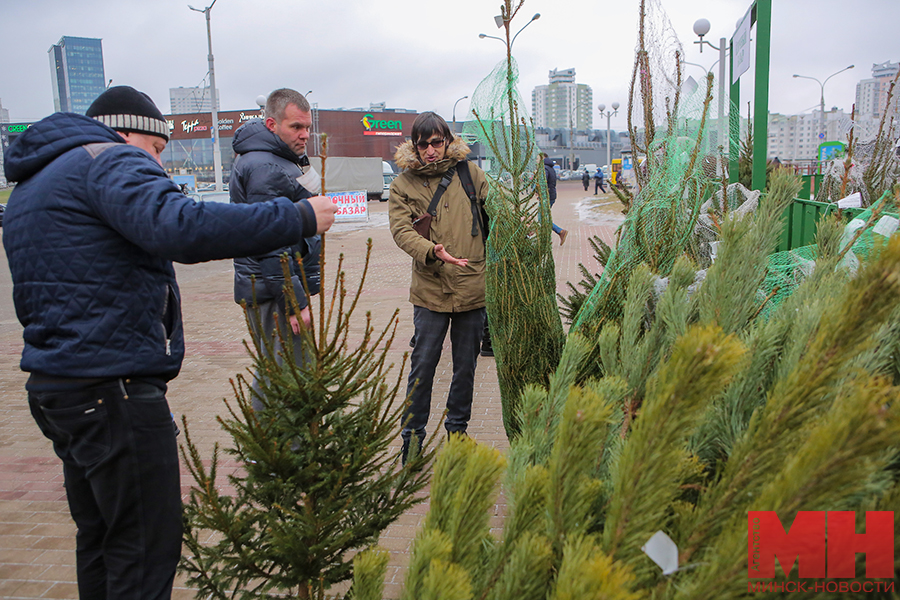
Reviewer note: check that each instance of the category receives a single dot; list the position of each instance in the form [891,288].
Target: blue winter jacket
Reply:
[266,168]
[90,233]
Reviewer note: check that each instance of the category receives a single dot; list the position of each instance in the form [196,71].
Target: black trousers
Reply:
[120,460]
[466,331]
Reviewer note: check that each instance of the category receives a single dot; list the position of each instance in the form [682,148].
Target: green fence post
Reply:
[761,93]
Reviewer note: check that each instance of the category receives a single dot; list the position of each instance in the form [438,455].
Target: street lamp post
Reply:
[608,114]
[454,109]
[701,28]
[499,20]
[217,152]
[822,98]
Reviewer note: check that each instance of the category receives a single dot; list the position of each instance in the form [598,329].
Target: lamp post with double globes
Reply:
[608,114]
[701,28]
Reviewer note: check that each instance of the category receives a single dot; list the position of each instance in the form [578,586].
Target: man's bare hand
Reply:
[325,210]
[305,319]
[443,255]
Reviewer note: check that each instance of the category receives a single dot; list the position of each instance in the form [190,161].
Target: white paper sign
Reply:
[740,44]
[851,201]
[886,226]
[351,205]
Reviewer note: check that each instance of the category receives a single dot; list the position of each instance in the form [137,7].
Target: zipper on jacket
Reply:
[167,320]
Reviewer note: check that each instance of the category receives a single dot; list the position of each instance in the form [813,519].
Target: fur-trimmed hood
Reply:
[407,158]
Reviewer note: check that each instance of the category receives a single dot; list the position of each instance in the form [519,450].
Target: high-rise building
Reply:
[871,99]
[563,103]
[796,137]
[192,100]
[76,68]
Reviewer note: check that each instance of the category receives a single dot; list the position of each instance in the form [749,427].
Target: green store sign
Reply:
[371,124]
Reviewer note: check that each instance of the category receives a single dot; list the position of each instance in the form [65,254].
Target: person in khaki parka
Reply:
[448,269]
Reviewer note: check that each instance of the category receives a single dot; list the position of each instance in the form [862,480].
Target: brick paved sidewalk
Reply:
[37,535]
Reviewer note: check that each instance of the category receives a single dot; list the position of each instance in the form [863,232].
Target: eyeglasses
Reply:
[423,145]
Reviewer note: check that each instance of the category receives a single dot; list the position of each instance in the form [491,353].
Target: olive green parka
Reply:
[437,286]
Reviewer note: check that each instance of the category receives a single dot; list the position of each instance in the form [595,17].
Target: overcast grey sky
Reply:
[417,54]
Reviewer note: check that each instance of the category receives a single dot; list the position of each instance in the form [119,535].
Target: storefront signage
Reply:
[375,126]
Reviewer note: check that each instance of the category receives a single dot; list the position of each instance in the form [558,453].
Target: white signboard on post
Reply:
[352,206]
[740,45]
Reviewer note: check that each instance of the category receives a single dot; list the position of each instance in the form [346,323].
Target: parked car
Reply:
[388,178]
[210,197]
[2,208]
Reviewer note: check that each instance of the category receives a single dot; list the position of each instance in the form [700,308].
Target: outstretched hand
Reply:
[443,255]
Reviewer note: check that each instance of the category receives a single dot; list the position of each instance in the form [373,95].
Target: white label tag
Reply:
[663,551]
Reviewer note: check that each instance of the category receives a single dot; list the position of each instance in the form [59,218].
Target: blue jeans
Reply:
[466,331]
[556,228]
[120,460]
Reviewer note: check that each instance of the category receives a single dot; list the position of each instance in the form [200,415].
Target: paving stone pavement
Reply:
[37,536]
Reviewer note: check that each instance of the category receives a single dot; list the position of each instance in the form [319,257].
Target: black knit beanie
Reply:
[125,109]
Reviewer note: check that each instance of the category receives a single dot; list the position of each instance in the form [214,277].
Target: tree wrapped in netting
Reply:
[316,479]
[526,328]
[675,178]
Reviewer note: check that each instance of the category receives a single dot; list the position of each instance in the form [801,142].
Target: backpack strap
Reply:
[478,214]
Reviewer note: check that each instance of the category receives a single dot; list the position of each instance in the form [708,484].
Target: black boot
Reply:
[486,348]
[404,450]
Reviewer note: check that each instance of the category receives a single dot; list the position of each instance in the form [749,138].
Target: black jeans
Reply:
[120,459]
[466,331]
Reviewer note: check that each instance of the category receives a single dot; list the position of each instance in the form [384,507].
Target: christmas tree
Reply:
[318,479]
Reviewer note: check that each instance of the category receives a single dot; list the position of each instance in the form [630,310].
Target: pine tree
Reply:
[585,494]
[317,477]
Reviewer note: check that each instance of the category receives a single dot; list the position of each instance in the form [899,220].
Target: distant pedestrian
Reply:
[550,174]
[598,181]
[585,179]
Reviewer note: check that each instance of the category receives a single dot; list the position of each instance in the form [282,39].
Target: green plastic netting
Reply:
[676,161]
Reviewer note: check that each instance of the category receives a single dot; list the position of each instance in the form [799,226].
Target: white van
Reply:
[388,173]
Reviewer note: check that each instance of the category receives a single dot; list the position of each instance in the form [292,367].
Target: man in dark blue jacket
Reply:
[90,233]
[271,162]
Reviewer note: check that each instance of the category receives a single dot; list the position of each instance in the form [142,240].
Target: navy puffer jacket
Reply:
[266,168]
[90,233]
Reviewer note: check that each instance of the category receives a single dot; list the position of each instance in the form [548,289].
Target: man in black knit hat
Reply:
[91,231]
